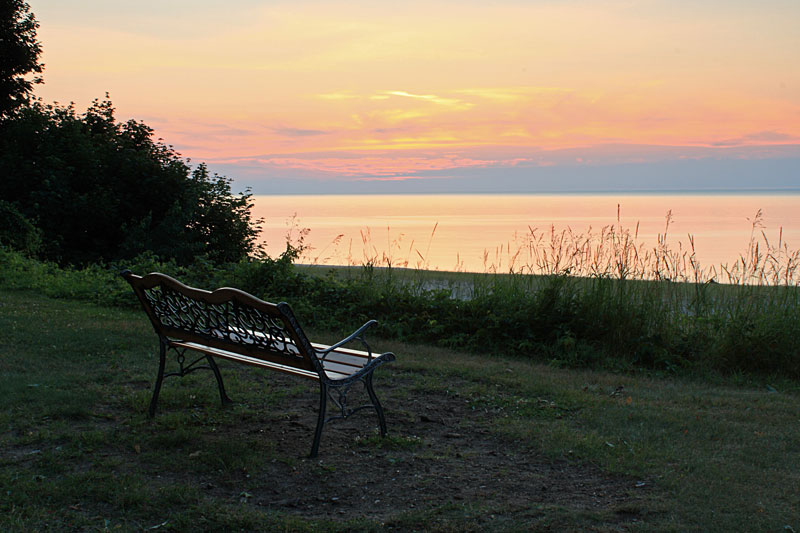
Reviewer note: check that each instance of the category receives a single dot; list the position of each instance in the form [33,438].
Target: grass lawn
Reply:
[476,443]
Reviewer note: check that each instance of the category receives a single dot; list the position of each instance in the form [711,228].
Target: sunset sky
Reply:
[319,96]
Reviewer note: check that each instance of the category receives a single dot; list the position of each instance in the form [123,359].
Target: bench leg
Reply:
[159,379]
[323,410]
[376,403]
[222,396]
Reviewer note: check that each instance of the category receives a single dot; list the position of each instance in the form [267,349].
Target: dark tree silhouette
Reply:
[100,190]
[19,55]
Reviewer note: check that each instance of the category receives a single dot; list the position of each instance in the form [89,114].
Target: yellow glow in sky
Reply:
[379,89]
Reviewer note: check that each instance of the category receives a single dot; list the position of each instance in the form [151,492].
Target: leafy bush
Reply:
[616,324]
[100,191]
[16,231]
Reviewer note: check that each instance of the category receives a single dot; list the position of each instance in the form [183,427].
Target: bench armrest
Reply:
[356,335]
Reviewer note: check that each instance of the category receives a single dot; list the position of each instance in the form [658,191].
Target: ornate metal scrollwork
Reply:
[339,401]
[183,368]
[227,322]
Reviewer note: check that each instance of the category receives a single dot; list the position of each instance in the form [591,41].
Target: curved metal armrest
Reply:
[356,335]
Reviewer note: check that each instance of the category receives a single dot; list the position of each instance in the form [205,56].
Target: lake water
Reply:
[479,233]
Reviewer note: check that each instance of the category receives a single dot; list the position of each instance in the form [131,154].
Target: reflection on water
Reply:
[478,233]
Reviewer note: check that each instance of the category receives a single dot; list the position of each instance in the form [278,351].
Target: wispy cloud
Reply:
[365,166]
[760,137]
[298,132]
[449,102]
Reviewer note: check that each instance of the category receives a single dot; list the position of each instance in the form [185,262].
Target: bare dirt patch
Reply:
[442,453]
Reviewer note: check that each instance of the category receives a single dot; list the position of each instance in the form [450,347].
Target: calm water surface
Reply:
[479,232]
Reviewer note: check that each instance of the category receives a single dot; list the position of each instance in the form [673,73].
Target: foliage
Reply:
[621,325]
[19,55]
[100,190]
[17,231]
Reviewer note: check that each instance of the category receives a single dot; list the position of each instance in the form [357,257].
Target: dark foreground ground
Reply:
[475,443]
[442,456]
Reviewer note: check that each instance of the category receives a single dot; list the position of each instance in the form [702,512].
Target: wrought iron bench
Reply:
[234,325]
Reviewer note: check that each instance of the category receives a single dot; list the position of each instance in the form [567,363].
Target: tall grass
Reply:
[613,251]
[394,255]
[593,299]
[603,298]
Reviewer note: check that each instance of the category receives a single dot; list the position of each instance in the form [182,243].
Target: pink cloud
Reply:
[370,166]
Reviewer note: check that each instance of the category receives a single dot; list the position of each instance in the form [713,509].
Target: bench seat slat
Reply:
[344,351]
[246,359]
[333,366]
[346,359]
[332,369]
[342,356]
[245,333]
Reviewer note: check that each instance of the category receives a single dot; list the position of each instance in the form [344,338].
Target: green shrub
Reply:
[18,232]
[597,322]
[99,190]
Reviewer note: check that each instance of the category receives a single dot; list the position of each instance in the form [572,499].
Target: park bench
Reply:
[234,325]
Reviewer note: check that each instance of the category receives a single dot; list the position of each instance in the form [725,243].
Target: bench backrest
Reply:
[228,319]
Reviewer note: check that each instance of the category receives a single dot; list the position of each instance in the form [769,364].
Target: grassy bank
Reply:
[660,327]
[585,450]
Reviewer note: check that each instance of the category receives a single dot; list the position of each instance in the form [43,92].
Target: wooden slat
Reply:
[348,351]
[333,374]
[249,360]
[345,356]
[317,346]
[345,359]
[333,370]
[332,366]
